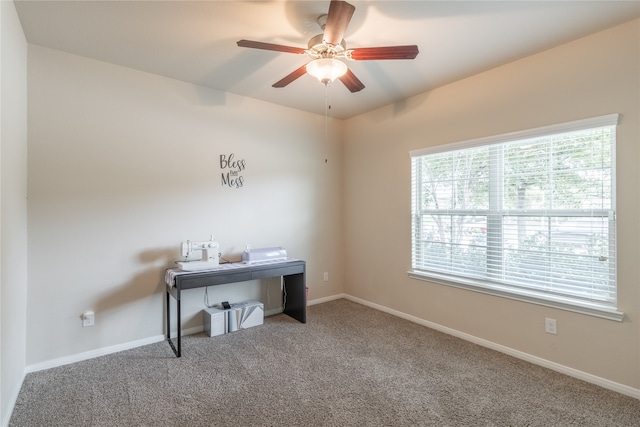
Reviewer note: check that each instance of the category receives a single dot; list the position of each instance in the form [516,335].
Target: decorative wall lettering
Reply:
[231,169]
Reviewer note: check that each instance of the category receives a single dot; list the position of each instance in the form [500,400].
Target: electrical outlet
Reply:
[550,326]
[88,318]
[325,277]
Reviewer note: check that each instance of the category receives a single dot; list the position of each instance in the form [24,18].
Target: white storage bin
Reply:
[215,321]
[241,315]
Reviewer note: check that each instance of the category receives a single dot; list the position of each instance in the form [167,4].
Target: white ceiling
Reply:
[195,41]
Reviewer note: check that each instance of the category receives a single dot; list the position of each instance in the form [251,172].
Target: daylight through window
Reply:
[529,214]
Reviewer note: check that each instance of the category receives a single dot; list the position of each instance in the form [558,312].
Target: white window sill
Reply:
[582,307]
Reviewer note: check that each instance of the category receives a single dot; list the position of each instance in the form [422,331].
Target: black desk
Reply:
[293,273]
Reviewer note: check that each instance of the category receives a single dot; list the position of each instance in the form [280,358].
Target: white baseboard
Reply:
[91,354]
[133,344]
[12,399]
[602,382]
[326,299]
[120,347]
[575,373]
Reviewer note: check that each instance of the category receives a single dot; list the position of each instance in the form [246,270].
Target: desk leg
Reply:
[296,291]
[177,351]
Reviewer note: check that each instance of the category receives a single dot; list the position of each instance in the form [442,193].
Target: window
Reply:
[528,215]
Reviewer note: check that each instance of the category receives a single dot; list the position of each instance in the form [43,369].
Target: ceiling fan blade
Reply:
[291,77]
[338,18]
[351,82]
[269,46]
[387,52]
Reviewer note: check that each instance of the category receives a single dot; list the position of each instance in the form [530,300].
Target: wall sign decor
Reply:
[231,169]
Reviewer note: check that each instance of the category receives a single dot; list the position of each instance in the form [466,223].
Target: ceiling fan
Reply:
[324,49]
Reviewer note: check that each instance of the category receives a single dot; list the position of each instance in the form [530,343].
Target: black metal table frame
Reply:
[292,272]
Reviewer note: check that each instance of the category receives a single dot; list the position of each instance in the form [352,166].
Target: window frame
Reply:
[594,308]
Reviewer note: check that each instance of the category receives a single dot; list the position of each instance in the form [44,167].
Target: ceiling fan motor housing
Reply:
[319,49]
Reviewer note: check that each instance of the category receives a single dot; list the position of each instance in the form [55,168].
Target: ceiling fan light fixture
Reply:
[326,70]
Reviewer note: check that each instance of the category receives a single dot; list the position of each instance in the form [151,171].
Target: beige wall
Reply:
[13,207]
[592,76]
[124,165]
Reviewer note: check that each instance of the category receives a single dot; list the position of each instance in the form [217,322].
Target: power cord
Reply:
[206,298]
[284,296]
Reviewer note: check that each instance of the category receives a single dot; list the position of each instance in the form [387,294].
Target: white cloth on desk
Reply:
[170,275]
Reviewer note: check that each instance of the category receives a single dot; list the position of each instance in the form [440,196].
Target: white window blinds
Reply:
[531,213]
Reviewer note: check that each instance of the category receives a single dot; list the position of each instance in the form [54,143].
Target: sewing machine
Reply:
[208,260]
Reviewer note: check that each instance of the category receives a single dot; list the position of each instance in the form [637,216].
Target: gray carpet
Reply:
[349,365]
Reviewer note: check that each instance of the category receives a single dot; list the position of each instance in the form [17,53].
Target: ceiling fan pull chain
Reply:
[326,122]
